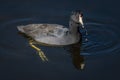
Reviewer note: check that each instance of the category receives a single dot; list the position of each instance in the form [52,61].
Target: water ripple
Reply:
[103,39]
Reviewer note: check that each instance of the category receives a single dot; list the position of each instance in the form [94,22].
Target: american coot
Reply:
[54,34]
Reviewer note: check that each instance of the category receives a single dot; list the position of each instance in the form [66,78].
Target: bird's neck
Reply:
[73,27]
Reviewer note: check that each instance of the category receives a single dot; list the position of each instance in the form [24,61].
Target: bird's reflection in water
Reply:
[77,59]
[74,49]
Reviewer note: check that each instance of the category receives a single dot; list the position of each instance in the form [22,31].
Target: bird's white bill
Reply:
[81,21]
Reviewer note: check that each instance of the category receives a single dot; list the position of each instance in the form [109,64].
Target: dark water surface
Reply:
[101,54]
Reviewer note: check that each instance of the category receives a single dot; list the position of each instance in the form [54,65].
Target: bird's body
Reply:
[52,34]
[55,34]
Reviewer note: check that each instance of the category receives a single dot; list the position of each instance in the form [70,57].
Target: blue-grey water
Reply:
[100,54]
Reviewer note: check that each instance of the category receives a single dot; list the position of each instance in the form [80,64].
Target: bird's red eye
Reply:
[81,14]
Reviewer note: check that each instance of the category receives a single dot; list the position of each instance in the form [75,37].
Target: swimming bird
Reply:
[56,34]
